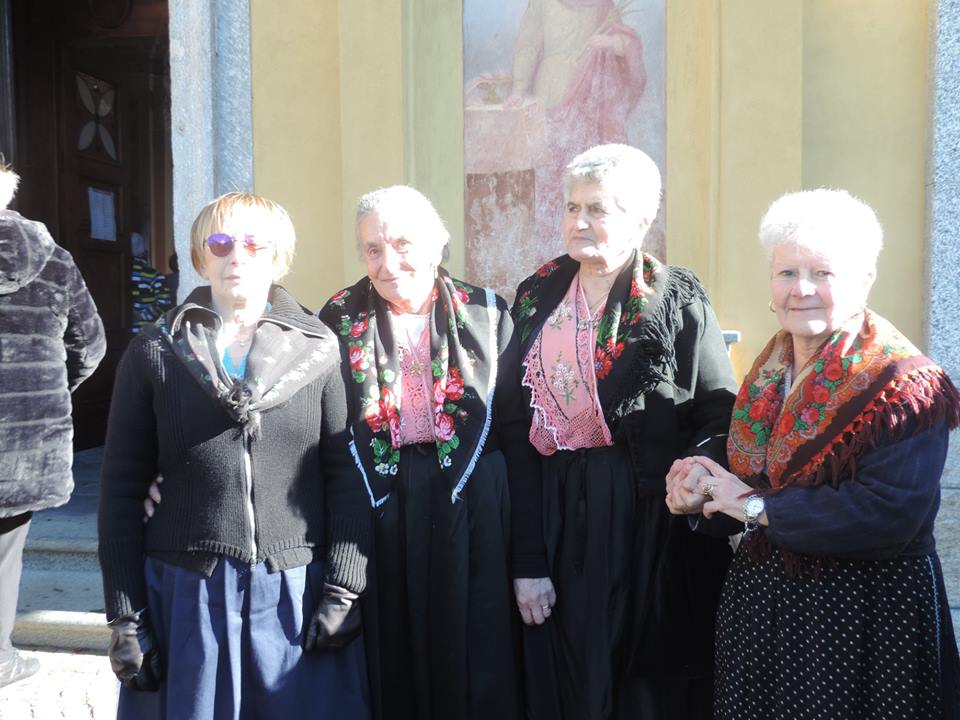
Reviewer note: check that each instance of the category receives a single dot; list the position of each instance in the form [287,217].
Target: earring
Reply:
[770,307]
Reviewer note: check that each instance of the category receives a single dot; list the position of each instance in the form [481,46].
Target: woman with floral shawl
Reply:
[834,606]
[435,429]
[624,370]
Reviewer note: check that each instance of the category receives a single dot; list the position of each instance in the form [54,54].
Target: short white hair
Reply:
[832,223]
[409,210]
[9,181]
[624,171]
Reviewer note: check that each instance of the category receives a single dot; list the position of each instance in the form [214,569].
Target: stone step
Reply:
[63,554]
[61,609]
[60,604]
[60,589]
[59,630]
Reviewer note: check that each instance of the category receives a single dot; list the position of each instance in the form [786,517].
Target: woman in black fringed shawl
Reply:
[437,430]
[834,606]
[624,369]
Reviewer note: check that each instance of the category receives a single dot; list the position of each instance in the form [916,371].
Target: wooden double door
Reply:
[92,146]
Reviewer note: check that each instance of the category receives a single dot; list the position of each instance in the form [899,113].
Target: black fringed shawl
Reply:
[642,319]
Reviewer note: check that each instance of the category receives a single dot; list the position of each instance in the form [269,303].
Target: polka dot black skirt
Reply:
[864,639]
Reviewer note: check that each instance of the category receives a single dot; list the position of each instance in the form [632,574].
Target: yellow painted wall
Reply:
[734,113]
[433,34]
[348,96]
[766,98]
[371,110]
[297,133]
[762,98]
[866,110]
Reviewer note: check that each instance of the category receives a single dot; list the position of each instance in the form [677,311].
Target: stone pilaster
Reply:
[943,260]
[211,111]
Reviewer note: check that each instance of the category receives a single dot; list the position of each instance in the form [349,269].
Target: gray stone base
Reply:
[943,260]
[948,543]
[951,471]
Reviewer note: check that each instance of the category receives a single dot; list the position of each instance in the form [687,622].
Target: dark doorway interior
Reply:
[91,109]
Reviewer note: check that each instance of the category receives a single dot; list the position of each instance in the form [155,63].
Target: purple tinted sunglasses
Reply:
[221,244]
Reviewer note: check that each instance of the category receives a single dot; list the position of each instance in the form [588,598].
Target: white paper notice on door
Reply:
[103,219]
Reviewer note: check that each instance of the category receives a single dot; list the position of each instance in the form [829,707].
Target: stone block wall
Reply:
[943,261]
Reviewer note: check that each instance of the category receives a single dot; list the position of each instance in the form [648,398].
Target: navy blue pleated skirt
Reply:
[231,646]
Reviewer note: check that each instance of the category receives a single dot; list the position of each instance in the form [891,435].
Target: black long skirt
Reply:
[439,618]
[863,639]
[610,548]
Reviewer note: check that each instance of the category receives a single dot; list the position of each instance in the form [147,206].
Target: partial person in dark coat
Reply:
[51,340]
[624,369]
[239,597]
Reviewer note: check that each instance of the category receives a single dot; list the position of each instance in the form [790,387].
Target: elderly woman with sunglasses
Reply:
[256,554]
[436,433]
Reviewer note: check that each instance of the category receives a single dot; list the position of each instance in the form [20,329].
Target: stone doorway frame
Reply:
[211,115]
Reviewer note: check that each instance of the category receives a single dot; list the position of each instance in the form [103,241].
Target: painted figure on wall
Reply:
[576,77]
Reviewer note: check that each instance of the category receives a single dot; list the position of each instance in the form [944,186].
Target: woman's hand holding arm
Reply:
[727,492]
[607,41]
[683,483]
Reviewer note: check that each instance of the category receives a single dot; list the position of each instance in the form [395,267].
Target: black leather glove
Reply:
[133,652]
[336,621]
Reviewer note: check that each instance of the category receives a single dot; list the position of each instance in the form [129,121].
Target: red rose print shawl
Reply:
[859,389]
[463,352]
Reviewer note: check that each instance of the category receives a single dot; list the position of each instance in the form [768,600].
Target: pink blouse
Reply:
[415,404]
[559,371]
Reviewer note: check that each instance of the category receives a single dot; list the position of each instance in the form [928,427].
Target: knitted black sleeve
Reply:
[129,464]
[528,556]
[349,515]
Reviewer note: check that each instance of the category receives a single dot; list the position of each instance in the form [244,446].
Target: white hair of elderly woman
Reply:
[832,223]
[625,171]
[410,213]
[8,185]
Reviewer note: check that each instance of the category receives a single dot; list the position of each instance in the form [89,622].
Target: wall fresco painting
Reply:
[543,81]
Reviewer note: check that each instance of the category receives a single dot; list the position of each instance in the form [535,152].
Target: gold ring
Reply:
[707,490]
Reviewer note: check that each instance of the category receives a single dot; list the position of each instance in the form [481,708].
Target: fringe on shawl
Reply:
[654,359]
[918,401]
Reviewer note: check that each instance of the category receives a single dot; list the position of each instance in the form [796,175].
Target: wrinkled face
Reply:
[814,294]
[596,228]
[247,270]
[400,265]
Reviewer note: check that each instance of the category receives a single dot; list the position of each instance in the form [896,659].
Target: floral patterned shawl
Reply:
[463,352]
[634,348]
[859,390]
[560,374]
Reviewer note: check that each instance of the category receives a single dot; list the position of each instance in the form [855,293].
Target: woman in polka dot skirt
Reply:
[834,606]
